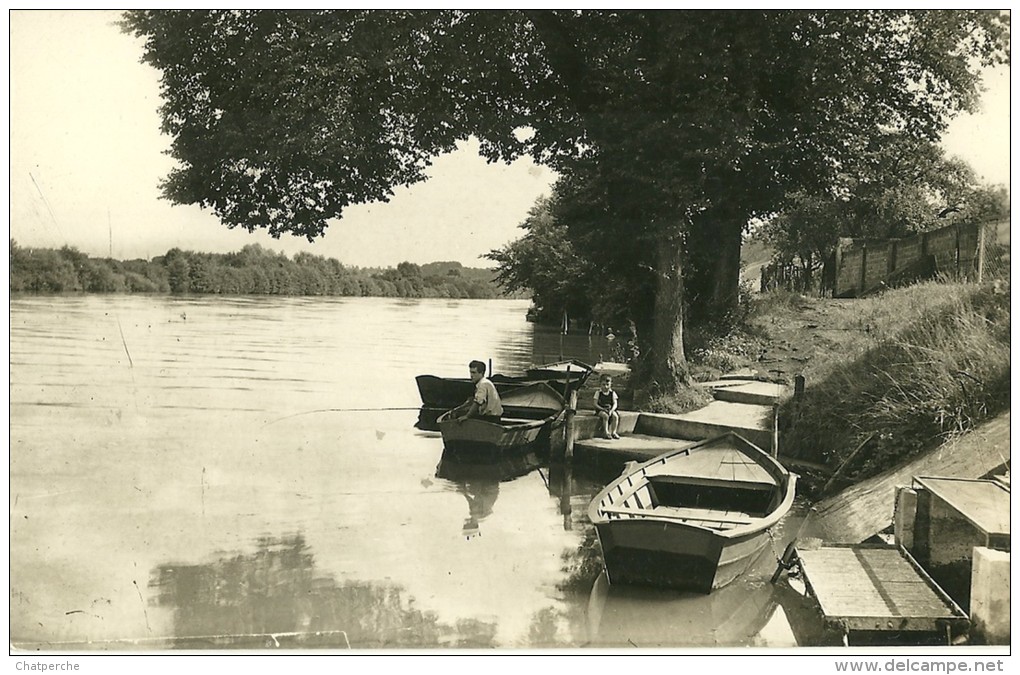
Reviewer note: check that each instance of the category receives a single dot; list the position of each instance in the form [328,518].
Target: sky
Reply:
[87,156]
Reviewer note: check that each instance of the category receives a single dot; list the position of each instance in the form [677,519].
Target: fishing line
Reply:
[46,203]
[124,342]
[323,410]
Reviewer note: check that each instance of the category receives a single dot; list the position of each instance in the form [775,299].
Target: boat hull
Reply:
[473,440]
[673,555]
[450,392]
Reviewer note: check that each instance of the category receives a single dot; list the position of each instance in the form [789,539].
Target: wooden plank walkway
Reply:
[876,588]
[864,510]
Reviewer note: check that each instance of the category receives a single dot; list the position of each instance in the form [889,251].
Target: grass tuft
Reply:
[689,398]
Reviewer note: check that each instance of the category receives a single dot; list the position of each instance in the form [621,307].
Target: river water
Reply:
[244,473]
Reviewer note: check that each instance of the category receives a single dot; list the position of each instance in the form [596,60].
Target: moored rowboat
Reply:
[694,518]
[530,414]
[449,392]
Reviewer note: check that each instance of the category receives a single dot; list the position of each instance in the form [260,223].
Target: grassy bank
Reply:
[937,364]
[887,377]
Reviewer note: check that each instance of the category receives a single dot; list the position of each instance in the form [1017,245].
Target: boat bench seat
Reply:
[517,420]
[702,515]
[706,481]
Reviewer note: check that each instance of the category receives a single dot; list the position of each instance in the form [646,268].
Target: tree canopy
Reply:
[673,125]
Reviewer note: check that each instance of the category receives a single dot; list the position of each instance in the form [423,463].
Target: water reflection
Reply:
[804,616]
[751,612]
[479,483]
[649,617]
[548,344]
[276,597]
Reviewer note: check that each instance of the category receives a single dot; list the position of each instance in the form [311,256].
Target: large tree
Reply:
[684,124]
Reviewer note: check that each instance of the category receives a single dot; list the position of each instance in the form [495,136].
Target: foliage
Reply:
[253,270]
[41,271]
[545,262]
[564,266]
[981,204]
[665,125]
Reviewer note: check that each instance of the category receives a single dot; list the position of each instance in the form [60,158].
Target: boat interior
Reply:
[705,501]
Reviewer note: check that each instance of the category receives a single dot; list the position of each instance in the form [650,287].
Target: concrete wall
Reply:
[944,542]
[876,265]
[588,425]
[904,516]
[848,272]
[908,252]
[989,597]
[863,265]
[673,426]
[968,252]
[942,245]
[949,548]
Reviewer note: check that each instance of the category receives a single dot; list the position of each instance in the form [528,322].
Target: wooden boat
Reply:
[529,415]
[558,371]
[691,519]
[448,392]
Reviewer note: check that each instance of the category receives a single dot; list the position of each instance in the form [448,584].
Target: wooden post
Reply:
[775,431]
[798,387]
[956,230]
[565,491]
[837,267]
[864,268]
[981,252]
[571,432]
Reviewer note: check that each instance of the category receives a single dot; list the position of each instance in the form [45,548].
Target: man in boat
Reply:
[485,404]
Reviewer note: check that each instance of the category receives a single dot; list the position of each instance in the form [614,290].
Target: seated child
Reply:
[606,402]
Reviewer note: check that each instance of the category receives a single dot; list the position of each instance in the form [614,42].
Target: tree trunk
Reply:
[714,286]
[725,279]
[666,367]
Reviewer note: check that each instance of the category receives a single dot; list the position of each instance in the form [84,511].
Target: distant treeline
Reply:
[253,270]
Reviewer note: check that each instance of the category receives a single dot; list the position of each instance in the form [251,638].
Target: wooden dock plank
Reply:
[869,587]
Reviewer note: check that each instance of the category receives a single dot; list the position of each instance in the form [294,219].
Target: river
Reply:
[244,473]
